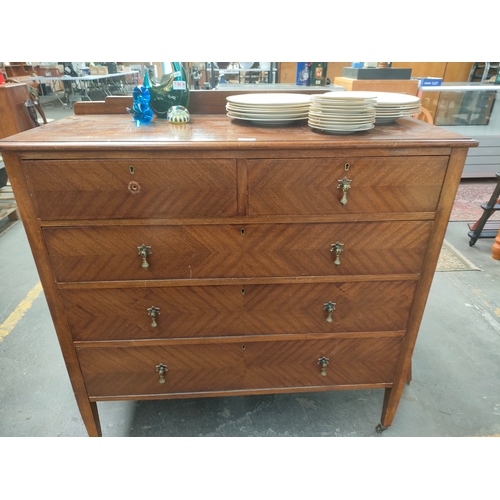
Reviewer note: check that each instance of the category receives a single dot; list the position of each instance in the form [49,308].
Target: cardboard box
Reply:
[98,70]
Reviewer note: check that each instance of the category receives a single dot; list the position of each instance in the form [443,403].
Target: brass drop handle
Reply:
[345,185]
[323,363]
[162,369]
[153,312]
[329,307]
[144,251]
[337,248]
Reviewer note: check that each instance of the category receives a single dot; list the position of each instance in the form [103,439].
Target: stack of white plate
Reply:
[390,105]
[268,108]
[340,113]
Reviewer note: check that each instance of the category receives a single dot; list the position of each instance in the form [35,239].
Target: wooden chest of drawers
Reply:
[214,258]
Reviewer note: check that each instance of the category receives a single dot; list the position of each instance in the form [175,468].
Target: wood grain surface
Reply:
[212,311]
[233,366]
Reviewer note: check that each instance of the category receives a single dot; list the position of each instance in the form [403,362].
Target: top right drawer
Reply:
[328,186]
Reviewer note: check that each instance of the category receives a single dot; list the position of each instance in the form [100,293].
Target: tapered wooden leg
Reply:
[90,418]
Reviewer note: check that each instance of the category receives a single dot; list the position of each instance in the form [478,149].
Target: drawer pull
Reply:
[162,369]
[144,251]
[133,186]
[345,185]
[329,307]
[153,312]
[323,362]
[337,248]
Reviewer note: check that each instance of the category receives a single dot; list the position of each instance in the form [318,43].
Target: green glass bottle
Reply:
[172,89]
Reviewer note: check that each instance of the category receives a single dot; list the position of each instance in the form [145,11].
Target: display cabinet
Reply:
[470,109]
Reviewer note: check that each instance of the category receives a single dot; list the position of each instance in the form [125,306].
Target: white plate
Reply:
[265,111]
[269,98]
[342,96]
[256,116]
[343,109]
[267,106]
[274,116]
[340,126]
[381,97]
[336,114]
[346,122]
[268,121]
[339,131]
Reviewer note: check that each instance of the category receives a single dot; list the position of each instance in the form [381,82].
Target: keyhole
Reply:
[347,166]
[131,169]
[242,232]
[243,291]
[243,347]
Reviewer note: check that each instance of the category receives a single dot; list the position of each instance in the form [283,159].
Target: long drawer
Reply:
[211,251]
[211,311]
[116,189]
[376,185]
[132,371]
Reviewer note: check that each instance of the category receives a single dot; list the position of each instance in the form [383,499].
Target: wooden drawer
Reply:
[211,251]
[106,189]
[211,311]
[379,185]
[131,371]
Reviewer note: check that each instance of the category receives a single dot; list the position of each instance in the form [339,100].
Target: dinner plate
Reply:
[268,121]
[265,113]
[360,114]
[267,117]
[269,98]
[329,126]
[342,96]
[381,97]
[340,131]
[267,106]
[346,122]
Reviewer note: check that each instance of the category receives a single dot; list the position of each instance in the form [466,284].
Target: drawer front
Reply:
[378,185]
[106,189]
[211,311]
[112,253]
[122,371]
[211,251]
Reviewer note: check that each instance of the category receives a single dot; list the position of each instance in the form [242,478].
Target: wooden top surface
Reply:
[110,132]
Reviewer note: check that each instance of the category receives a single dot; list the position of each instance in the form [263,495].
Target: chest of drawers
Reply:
[214,258]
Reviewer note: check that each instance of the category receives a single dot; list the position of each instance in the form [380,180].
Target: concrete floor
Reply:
[455,389]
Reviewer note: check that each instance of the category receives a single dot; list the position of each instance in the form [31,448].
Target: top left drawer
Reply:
[139,189]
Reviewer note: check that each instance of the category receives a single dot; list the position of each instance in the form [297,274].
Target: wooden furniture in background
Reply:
[14,70]
[217,258]
[14,116]
[200,101]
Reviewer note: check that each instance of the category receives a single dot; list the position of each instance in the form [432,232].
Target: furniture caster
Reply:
[380,428]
